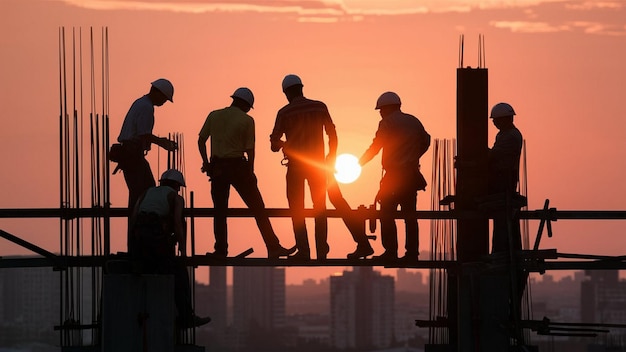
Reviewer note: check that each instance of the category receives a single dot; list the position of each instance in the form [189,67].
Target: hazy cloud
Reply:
[600,28]
[591,5]
[310,7]
[523,16]
[529,27]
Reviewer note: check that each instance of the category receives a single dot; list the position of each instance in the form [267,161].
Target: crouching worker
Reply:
[158,226]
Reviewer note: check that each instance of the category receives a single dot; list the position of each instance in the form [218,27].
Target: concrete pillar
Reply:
[472,234]
[138,313]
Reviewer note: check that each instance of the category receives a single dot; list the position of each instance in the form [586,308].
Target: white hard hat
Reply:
[245,94]
[173,175]
[501,110]
[165,87]
[388,98]
[291,80]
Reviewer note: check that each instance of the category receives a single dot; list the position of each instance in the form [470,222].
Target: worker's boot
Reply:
[362,251]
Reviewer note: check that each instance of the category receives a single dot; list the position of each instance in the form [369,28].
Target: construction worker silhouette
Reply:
[403,141]
[232,135]
[504,158]
[158,225]
[303,123]
[503,176]
[136,138]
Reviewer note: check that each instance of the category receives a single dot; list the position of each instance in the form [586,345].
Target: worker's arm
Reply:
[160,141]
[203,137]
[375,147]
[276,143]
[333,141]
[203,153]
[250,153]
[249,140]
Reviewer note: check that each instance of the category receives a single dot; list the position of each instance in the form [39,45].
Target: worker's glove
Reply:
[207,168]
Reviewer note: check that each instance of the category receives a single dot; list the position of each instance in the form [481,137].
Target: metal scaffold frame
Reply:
[81,258]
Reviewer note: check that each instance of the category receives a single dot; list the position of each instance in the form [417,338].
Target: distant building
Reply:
[310,297]
[362,309]
[603,297]
[29,305]
[218,307]
[312,329]
[258,305]
[410,281]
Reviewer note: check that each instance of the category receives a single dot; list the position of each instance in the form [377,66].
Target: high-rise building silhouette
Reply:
[411,281]
[217,308]
[361,309]
[258,302]
[29,304]
[603,297]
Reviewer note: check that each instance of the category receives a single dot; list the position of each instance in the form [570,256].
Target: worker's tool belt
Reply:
[116,153]
[126,153]
[403,179]
[228,160]
[219,165]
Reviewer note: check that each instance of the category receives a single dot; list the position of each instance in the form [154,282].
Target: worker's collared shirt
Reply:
[402,138]
[504,158]
[139,121]
[303,122]
[231,131]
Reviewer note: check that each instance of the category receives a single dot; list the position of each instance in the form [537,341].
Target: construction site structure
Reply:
[473,304]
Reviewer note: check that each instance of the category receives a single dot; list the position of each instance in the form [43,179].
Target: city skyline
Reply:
[557,300]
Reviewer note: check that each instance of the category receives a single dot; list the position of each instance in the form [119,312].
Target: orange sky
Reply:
[559,63]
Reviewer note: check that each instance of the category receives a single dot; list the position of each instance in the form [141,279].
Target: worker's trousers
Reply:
[139,178]
[316,178]
[237,172]
[398,189]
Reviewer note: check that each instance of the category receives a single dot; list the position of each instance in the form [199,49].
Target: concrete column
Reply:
[138,313]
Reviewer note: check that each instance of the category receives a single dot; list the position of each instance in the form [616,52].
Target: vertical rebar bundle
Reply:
[79,283]
[442,234]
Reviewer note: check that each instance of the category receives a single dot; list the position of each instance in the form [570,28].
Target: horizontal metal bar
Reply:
[575,265]
[61,262]
[547,327]
[76,327]
[200,260]
[71,213]
[551,214]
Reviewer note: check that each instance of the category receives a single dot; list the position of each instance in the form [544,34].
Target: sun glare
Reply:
[347,168]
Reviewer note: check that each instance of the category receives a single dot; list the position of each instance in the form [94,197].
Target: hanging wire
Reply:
[461,44]
[484,52]
[526,308]
[61,178]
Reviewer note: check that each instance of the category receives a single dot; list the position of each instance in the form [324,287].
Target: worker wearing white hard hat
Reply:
[504,156]
[165,87]
[403,140]
[290,81]
[136,137]
[158,225]
[504,160]
[503,179]
[232,133]
[296,131]
[303,122]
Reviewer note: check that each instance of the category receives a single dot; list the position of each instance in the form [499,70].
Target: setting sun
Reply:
[347,168]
